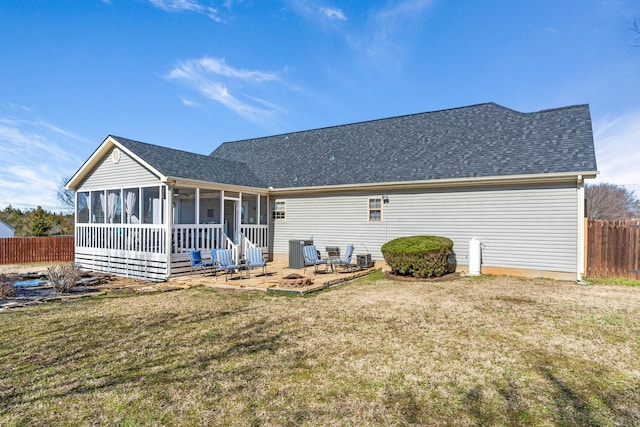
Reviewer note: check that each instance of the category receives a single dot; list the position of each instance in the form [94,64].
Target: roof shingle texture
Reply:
[182,164]
[482,140]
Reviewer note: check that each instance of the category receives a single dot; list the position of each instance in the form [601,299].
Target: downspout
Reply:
[581,231]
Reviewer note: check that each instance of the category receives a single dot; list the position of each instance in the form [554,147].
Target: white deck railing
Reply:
[235,254]
[197,236]
[150,238]
[256,234]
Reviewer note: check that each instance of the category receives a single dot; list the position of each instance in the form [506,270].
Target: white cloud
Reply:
[333,13]
[617,141]
[213,79]
[189,103]
[316,13]
[35,156]
[219,67]
[379,38]
[195,6]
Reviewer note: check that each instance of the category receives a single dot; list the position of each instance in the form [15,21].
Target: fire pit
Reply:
[295,281]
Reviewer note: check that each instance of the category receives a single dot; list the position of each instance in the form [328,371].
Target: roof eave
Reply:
[193,183]
[440,183]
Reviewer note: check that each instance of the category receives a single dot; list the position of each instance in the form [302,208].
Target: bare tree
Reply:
[66,197]
[611,202]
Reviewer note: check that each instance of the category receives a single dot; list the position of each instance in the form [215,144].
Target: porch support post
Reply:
[75,221]
[238,226]
[221,213]
[258,210]
[197,213]
[168,224]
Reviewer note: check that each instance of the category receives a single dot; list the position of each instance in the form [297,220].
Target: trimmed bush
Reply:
[418,256]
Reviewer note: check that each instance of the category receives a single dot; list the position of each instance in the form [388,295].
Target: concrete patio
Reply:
[271,281]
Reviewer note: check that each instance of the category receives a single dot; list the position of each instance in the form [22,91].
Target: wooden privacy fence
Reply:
[19,250]
[613,249]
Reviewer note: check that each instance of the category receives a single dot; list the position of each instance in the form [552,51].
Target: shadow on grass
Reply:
[574,407]
[107,352]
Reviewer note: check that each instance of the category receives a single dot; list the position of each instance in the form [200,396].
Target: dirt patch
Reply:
[444,278]
[36,289]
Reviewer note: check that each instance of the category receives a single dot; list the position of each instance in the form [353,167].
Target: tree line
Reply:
[37,222]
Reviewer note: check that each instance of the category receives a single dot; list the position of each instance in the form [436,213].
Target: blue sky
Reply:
[191,74]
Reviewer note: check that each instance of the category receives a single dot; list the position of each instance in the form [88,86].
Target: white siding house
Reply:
[5,230]
[514,180]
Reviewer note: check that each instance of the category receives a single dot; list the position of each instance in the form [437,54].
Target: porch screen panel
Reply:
[97,207]
[249,208]
[82,207]
[264,210]
[114,207]
[152,206]
[131,206]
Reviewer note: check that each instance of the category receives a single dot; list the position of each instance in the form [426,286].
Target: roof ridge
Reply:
[369,121]
[566,107]
[483,104]
[119,138]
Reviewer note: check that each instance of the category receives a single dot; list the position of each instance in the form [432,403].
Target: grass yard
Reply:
[472,351]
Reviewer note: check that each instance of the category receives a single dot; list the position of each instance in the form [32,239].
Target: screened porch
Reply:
[147,232]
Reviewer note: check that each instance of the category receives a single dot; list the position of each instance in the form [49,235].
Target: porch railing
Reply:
[150,238]
[186,237]
[256,234]
[235,254]
[245,244]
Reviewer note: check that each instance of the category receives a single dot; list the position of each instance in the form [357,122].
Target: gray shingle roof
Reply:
[182,164]
[477,141]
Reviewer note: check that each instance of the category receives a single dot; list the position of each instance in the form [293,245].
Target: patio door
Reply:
[232,219]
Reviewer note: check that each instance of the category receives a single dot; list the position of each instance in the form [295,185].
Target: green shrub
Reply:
[419,256]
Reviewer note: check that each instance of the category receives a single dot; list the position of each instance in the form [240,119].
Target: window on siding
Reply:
[279,209]
[375,209]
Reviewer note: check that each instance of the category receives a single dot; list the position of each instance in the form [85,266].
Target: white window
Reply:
[375,209]
[279,209]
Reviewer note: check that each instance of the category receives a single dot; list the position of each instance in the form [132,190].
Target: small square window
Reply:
[279,209]
[375,209]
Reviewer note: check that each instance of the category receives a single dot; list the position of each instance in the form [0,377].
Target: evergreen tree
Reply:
[40,223]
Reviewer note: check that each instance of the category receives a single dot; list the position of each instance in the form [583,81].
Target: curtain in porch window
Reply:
[112,202]
[130,197]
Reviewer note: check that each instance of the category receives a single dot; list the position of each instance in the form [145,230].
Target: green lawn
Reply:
[474,351]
